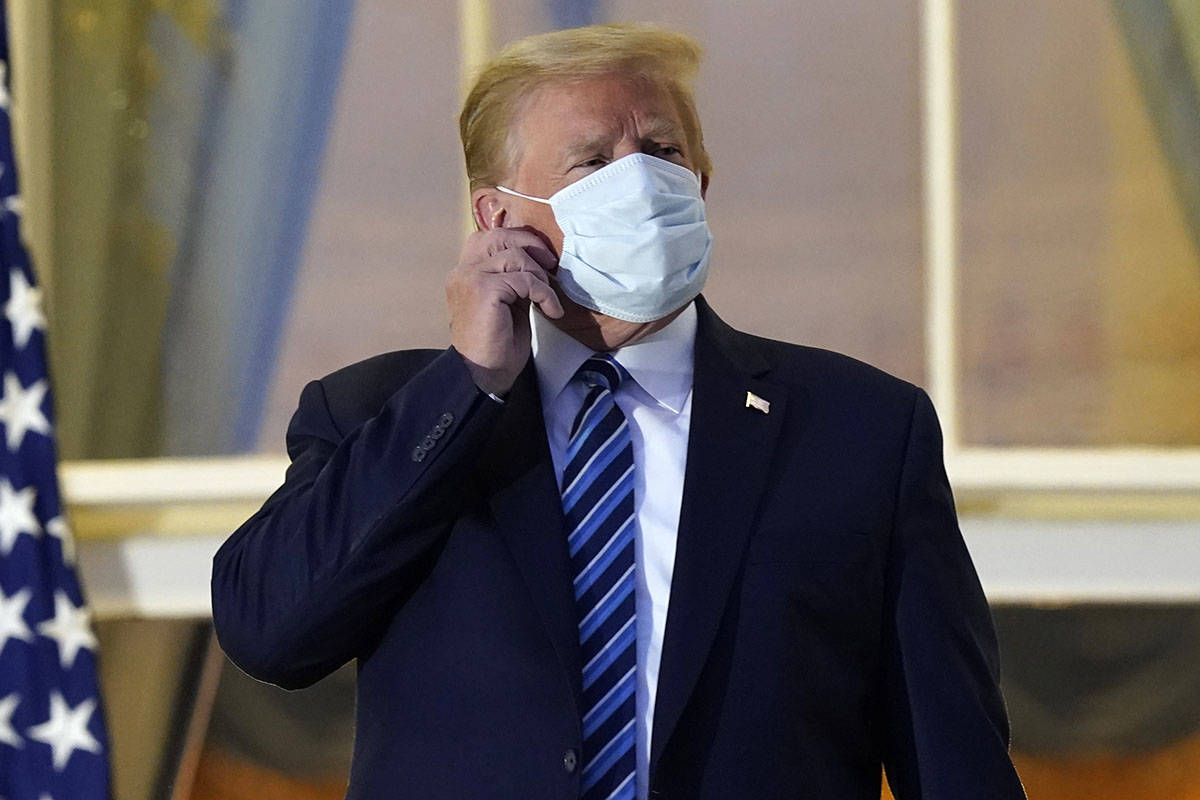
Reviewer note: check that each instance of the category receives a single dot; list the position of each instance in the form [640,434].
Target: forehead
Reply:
[608,106]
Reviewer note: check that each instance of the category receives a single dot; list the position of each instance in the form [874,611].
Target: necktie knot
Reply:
[601,370]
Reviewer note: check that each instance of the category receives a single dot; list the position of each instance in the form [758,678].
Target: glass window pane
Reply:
[814,128]
[815,201]
[1080,279]
[389,215]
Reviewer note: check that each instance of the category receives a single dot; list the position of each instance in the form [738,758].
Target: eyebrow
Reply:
[657,128]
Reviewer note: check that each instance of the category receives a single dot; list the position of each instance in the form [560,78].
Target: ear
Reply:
[703,184]
[487,208]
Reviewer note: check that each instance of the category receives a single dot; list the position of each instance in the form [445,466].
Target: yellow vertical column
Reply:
[30,49]
[474,48]
[939,170]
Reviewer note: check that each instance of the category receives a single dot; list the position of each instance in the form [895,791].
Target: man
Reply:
[605,545]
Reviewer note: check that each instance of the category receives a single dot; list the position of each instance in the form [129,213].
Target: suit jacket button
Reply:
[427,443]
[446,419]
[418,455]
[570,760]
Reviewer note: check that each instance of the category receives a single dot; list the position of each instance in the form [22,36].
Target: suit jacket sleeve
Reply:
[298,589]
[946,729]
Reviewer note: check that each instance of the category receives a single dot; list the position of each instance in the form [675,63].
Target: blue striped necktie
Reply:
[597,495]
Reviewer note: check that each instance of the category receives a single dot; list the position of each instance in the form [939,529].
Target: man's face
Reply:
[570,130]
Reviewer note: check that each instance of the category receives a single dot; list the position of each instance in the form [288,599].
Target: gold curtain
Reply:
[85,73]
[108,300]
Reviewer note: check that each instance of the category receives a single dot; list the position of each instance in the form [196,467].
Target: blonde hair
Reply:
[640,52]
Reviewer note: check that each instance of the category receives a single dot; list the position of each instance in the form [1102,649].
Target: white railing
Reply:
[159,566]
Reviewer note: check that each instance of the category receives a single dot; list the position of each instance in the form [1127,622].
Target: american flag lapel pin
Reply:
[754,401]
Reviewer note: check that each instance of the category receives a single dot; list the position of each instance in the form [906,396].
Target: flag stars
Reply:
[70,628]
[50,704]
[21,410]
[12,617]
[9,736]
[16,515]
[59,529]
[23,309]
[66,730]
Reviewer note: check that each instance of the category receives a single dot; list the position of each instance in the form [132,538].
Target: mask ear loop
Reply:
[526,196]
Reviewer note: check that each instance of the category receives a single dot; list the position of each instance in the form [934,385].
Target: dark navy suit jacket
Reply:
[824,619]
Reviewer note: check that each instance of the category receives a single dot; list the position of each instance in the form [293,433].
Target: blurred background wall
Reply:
[227,198]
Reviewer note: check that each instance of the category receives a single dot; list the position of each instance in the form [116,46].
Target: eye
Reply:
[667,151]
[597,161]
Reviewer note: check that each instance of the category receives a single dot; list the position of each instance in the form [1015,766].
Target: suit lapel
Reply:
[520,483]
[729,450]
[730,447]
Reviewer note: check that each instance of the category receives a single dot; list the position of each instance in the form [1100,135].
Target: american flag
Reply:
[53,745]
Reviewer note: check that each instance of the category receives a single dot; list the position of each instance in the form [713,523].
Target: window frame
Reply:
[134,512]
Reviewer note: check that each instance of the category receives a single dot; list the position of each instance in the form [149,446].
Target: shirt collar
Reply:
[661,363]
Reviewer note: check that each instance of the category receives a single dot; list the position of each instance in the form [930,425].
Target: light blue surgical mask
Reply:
[635,238]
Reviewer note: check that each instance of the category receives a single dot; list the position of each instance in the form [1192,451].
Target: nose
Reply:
[626,148]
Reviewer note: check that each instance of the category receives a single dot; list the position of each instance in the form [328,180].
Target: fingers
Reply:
[483,245]
[528,286]
[546,298]
[499,272]
[520,261]
[542,254]
[498,239]
[513,261]
[505,286]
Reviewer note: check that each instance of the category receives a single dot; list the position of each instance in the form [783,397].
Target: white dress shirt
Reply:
[658,404]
